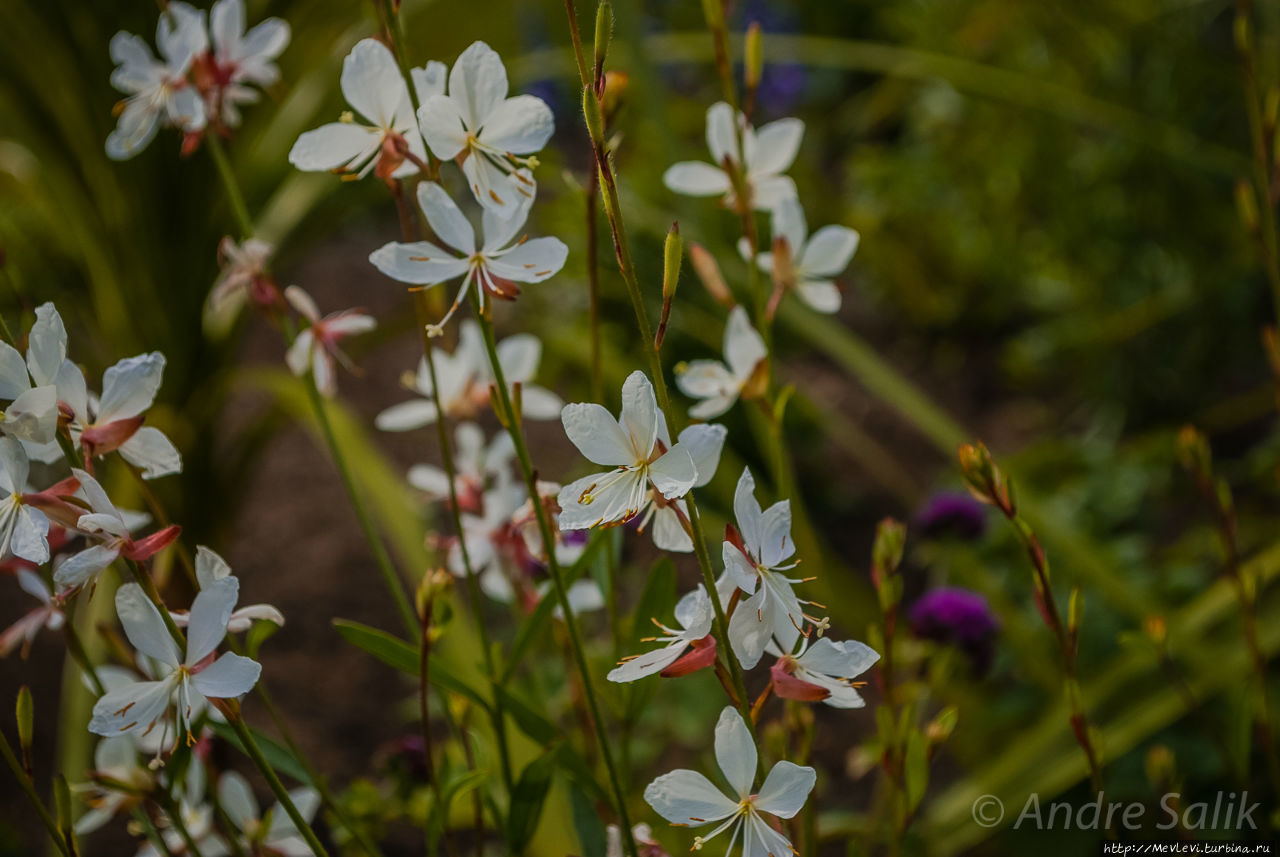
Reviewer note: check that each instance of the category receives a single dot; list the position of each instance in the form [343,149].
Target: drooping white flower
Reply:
[157,90]
[211,568]
[475,463]
[24,530]
[373,86]
[815,259]
[630,445]
[479,124]
[464,377]
[495,266]
[754,563]
[274,833]
[47,615]
[641,833]
[765,155]
[717,384]
[114,421]
[115,761]
[315,348]
[242,276]
[187,681]
[694,615]
[822,671]
[688,799]
[240,59]
[668,520]
[111,530]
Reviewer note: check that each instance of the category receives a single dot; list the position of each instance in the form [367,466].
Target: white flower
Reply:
[315,348]
[688,799]
[629,444]
[715,383]
[464,377]
[196,817]
[815,259]
[643,835]
[242,275]
[769,153]
[115,420]
[276,836]
[474,463]
[48,615]
[372,84]
[822,672]
[24,531]
[496,266]
[32,385]
[241,58]
[754,564]
[157,89]
[211,568]
[137,707]
[694,615]
[115,760]
[669,519]
[477,122]
[112,528]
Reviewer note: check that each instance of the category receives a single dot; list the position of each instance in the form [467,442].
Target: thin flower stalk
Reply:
[15,766]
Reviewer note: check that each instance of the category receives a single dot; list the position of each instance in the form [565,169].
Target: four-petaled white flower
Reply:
[464,377]
[32,385]
[765,155]
[694,615]
[668,520]
[475,462]
[242,276]
[815,259]
[372,84]
[754,563]
[688,799]
[822,672]
[211,568]
[48,615]
[315,348]
[631,445]
[274,833]
[478,123]
[157,89]
[189,680]
[719,385]
[495,266]
[24,531]
[239,59]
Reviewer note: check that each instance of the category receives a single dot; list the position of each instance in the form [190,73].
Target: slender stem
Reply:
[6,749]
[149,831]
[512,421]
[174,811]
[238,208]
[1262,162]
[593,281]
[81,655]
[282,794]
[433,776]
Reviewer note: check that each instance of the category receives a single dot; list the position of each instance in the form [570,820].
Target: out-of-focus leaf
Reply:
[527,800]
[397,653]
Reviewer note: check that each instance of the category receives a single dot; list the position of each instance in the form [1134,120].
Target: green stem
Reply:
[512,421]
[149,831]
[282,794]
[238,208]
[174,810]
[6,749]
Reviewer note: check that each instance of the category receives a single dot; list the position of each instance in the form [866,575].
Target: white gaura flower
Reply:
[157,89]
[822,672]
[315,348]
[694,615]
[495,266]
[373,86]
[477,123]
[211,568]
[196,816]
[24,530]
[815,259]
[242,276]
[188,681]
[630,445]
[719,385]
[48,615]
[768,152]
[668,520]
[688,799]
[111,529]
[464,377]
[239,59]
[31,385]
[475,463]
[754,562]
[274,833]
[114,421]
[118,780]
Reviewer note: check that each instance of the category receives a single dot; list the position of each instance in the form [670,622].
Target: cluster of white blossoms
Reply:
[207,68]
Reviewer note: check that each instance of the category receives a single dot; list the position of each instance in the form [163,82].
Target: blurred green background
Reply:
[1051,260]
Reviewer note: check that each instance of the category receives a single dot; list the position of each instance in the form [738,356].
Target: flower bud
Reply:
[886,552]
[985,480]
[672,255]
[62,799]
[26,726]
[604,31]
[591,111]
[613,93]
[753,67]
[704,265]
[941,727]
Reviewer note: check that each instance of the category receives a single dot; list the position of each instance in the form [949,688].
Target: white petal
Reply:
[420,263]
[152,452]
[406,416]
[688,798]
[620,499]
[771,191]
[430,79]
[775,543]
[131,708]
[743,346]
[478,83]
[210,566]
[46,345]
[769,842]
[668,533]
[597,435]
[307,802]
[696,178]
[829,251]
[135,129]
[129,387]
[521,125]
[446,219]
[13,372]
[429,479]
[372,84]
[735,751]
[494,188]
[531,262]
[229,676]
[704,444]
[674,474]
[842,660]
[788,221]
[30,536]
[441,124]
[33,584]
[33,416]
[539,403]
[210,613]
[80,568]
[820,295]
[706,378]
[748,636]
[738,569]
[648,663]
[144,626]
[237,799]
[519,356]
[721,139]
[776,145]
[639,417]
[335,146]
[501,228]
[747,512]
[785,789]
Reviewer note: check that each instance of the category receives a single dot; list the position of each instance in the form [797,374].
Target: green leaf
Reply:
[258,634]
[527,800]
[657,599]
[586,823]
[533,724]
[397,653]
[916,769]
[278,756]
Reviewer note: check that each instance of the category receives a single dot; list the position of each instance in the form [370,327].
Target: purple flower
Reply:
[952,512]
[957,617]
